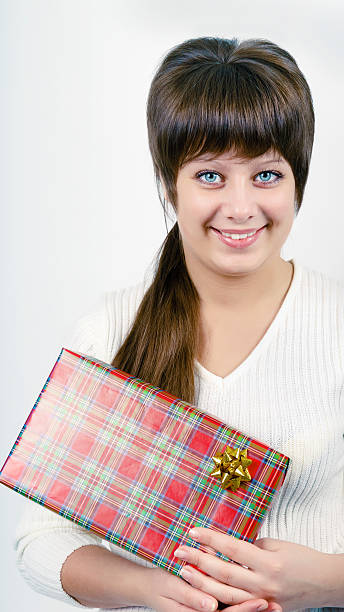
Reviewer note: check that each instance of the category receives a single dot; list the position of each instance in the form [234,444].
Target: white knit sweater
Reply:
[288,393]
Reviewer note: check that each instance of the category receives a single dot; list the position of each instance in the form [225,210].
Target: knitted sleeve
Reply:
[43,540]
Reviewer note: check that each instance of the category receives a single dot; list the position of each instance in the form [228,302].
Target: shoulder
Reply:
[100,331]
[322,287]
[320,306]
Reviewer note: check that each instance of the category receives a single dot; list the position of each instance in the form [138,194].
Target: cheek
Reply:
[193,212]
[281,206]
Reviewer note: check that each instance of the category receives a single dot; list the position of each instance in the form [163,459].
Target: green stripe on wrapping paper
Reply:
[81,483]
[136,384]
[202,480]
[50,467]
[107,435]
[278,458]
[69,398]
[236,439]
[180,407]
[92,469]
[147,392]
[24,491]
[43,447]
[82,521]
[129,545]
[133,388]
[178,530]
[116,538]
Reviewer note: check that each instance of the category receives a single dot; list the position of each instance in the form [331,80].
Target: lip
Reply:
[242,231]
[241,243]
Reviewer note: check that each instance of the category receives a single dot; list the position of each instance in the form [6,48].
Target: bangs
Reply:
[230,107]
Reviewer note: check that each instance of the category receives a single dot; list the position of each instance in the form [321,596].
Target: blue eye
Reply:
[278,175]
[208,173]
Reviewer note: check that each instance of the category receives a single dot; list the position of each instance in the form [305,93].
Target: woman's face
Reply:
[231,194]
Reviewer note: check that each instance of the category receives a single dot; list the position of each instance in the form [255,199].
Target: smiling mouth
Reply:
[238,232]
[239,241]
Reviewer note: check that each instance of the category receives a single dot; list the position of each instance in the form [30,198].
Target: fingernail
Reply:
[208,604]
[193,534]
[263,607]
[184,573]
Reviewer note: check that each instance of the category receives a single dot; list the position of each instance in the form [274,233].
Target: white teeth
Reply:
[237,236]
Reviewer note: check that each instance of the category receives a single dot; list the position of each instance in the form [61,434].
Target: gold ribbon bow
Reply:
[231,467]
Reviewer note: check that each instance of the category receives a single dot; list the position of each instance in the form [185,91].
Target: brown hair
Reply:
[209,95]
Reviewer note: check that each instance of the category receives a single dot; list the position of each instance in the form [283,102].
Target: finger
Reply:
[239,550]
[171,605]
[248,606]
[224,593]
[230,574]
[184,593]
[274,607]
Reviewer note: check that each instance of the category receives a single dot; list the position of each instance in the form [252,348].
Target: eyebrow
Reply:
[273,161]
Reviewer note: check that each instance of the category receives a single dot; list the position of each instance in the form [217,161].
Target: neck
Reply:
[238,291]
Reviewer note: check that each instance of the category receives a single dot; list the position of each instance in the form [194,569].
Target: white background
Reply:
[79,208]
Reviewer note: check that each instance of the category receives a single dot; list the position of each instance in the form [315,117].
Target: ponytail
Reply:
[163,339]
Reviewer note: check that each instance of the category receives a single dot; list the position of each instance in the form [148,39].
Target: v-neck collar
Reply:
[210,377]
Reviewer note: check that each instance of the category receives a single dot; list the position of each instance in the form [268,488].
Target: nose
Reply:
[238,201]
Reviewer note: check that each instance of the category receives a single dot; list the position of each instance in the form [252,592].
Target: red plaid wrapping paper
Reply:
[132,463]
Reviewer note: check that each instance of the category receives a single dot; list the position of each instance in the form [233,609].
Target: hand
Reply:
[165,592]
[288,574]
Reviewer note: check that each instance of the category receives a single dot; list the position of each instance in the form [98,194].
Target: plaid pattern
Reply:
[131,462]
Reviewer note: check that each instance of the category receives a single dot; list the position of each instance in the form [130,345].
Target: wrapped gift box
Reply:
[136,465]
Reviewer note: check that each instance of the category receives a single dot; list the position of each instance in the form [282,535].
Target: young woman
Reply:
[228,325]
